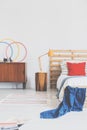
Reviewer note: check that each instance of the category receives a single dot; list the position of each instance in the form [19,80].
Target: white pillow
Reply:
[64,65]
[64,70]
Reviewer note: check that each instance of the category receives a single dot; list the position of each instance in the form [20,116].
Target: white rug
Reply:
[21,107]
[25,99]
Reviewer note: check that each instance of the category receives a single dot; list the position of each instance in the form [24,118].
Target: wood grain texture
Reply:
[41,81]
[12,72]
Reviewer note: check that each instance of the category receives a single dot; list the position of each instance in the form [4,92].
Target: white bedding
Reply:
[70,121]
[74,81]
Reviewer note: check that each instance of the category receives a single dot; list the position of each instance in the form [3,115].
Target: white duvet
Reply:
[73,81]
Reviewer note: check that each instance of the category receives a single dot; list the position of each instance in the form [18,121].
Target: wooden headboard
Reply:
[60,55]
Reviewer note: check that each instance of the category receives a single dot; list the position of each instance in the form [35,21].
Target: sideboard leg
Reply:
[24,85]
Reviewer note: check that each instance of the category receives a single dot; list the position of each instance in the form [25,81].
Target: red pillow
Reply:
[76,68]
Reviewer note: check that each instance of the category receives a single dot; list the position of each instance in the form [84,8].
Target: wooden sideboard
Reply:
[13,72]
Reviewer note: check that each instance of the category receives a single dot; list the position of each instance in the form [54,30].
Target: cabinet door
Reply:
[21,75]
[4,72]
[12,72]
[17,72]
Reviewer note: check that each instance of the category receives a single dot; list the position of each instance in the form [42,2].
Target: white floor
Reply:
[23,112]
[29,114]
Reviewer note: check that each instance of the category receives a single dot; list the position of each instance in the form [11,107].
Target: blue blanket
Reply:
[73,100]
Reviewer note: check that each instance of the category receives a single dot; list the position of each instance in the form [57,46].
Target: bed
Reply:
[74,76]
[58,69]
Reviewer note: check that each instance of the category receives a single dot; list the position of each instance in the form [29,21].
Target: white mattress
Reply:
[70,121]
[73,81]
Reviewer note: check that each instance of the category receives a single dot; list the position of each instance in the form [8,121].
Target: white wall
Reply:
[44,24]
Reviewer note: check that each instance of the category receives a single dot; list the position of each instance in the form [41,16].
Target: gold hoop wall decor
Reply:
[11,49]
[17,56]
[14,50]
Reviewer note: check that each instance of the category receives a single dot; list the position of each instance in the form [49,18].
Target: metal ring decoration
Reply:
[9,46]
[18,50]
[11,40]
[17,43]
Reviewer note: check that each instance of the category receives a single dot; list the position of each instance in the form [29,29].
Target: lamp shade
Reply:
[50,52]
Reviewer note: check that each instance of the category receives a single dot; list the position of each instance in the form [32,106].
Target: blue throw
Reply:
[73,100]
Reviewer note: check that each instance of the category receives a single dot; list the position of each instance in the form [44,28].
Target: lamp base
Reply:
[41,81]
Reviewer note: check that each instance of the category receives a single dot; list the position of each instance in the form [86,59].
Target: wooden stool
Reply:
[41,81]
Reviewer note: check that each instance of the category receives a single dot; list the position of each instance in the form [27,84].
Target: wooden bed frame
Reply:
[60,55]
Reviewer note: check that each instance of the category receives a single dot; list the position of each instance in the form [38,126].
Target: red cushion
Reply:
[76,68]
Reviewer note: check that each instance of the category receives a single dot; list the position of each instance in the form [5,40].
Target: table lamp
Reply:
[49,53]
